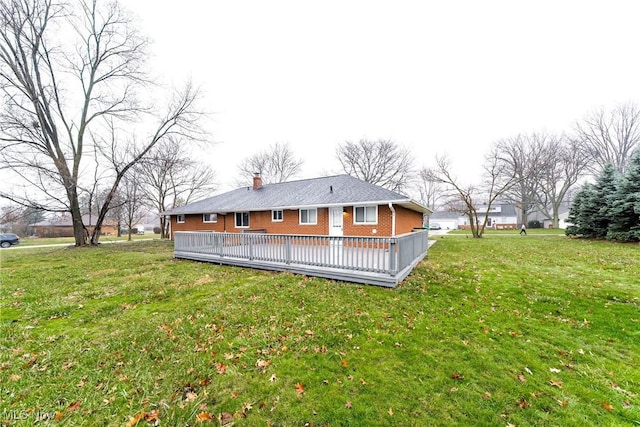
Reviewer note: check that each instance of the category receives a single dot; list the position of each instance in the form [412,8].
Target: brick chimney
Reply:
[257,181]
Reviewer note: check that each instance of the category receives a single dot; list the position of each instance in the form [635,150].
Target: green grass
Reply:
[530,231]
[532,331]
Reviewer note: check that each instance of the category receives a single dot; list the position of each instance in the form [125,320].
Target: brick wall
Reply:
[406,220]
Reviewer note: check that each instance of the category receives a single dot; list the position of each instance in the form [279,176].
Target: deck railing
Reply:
[387,255]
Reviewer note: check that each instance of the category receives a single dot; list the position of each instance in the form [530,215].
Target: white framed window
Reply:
[180,219]
[365,215]
[242,219]
[210,217]
[308,216]
[276,215]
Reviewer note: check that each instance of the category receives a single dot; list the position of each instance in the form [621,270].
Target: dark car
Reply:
[8,239]
[434,226]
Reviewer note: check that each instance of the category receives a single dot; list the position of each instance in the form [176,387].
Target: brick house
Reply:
[338,205]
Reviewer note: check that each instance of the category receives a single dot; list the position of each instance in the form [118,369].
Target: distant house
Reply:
[337,227]
[62,226]
[501,216]
[334,206]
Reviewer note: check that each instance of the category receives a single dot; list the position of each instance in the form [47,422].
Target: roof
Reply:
[338,190]
[66,221]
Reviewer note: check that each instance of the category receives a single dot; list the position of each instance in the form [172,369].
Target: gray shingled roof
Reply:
[339,190]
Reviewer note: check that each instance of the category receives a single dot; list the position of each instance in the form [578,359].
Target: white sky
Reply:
[438,77]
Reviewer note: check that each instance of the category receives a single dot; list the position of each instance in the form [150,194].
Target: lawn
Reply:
[542,330]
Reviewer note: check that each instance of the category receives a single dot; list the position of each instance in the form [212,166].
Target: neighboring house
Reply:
[337,227]
[62,226]
[446,220]
[501,216]
[335,206]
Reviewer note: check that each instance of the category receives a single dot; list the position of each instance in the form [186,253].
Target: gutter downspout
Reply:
[393,219]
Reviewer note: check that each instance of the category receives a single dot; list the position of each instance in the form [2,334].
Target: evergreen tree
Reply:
[625,212]
[582,212]
[605,193]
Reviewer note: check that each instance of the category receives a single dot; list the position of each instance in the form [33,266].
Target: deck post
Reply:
[392,256]
[287,245]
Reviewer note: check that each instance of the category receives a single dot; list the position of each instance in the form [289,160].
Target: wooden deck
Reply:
[372,260]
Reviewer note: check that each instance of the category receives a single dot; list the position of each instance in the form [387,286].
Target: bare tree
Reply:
[62,103]
[610,137]
[130,204]
[381,162]
[565,164]
[526,157]
[275,164]
[430,190]
[467,199]
[170,178]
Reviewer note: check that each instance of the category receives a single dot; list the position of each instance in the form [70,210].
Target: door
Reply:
[335,221]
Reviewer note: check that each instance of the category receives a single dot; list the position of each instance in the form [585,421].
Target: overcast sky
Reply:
[438,77]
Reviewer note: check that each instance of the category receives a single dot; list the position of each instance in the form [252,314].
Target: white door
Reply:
[335,221]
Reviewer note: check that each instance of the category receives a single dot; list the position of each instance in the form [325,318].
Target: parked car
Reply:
[434,226]
[8,239]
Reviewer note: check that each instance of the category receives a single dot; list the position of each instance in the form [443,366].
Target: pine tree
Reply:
[582,212]
[625,212]
[605,193]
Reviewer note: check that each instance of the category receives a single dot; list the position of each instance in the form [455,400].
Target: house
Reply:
[62,226]
[334,206]
[445,219]
[501,216]
[338,227]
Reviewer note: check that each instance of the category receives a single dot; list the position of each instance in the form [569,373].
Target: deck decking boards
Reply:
[360,260]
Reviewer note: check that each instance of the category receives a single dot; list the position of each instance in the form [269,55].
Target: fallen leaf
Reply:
[390,412]
[300,388]
[73,406]
[234,394]
[226,419]
[528,370]
[190,396]
[555,383]
[59,416]
[262,363]
[273,378]
[485,330]
[344,363]
[203,416]
[607,406]
[152,416]
[563,402]
[457,376]
[453,389]
[522,403]
[136,419]
[555,370]
[14,377]
[522,378]
[221,368]
[348,405]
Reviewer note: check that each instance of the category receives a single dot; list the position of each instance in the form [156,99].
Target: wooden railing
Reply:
[386,255]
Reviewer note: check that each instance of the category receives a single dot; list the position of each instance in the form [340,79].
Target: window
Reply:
[210,217]
[242,219]
[365,215]
[276,216]
[308,216]
[180,219]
